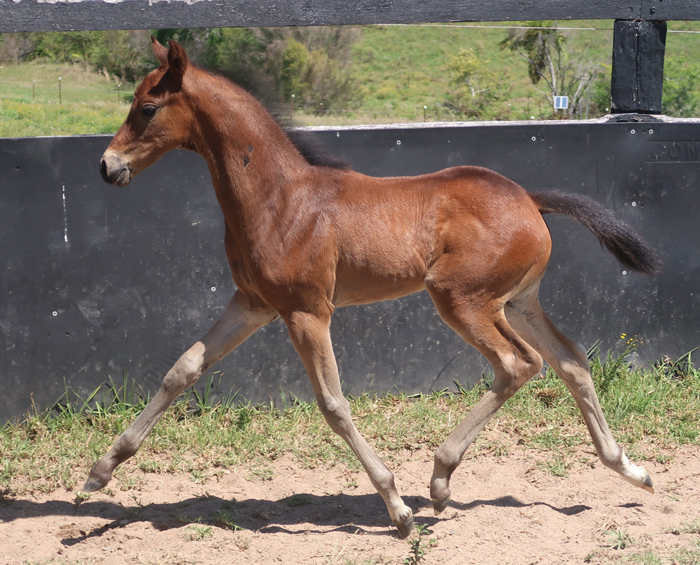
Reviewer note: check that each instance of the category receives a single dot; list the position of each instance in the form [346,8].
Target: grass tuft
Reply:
[652,411]
[618,539]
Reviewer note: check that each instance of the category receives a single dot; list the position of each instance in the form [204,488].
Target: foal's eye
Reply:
[149,111]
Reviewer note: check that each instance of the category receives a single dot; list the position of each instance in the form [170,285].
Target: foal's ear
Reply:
[159,51]
[177,60]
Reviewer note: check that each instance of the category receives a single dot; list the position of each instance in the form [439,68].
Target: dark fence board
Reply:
[135,275]
[33,15]
[670,10]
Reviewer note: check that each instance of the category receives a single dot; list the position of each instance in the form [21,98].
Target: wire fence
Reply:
[59,91]
[43,92]
[557,28]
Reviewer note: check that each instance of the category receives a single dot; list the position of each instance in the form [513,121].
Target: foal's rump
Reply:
[514,216]
[464,226]
[466,229]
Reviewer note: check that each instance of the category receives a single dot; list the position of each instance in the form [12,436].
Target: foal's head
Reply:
[159,119]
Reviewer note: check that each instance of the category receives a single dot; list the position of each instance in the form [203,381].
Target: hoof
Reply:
[92,485]
[406,528]
[439,506]
[648,485]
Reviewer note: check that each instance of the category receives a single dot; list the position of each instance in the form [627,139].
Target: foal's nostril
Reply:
[103,169]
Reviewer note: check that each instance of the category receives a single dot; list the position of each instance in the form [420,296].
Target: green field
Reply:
[403,68]
[29,100]
[401,72]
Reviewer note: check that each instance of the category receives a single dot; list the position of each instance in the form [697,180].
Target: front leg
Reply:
[311,338]
[236,324]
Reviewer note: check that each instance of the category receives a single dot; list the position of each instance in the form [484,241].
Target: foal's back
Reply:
[465,221]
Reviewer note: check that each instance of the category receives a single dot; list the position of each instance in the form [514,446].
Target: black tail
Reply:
[615,235]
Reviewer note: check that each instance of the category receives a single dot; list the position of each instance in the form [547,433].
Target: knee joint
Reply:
[521,367]
[611,456]
[337,414]
[332,407]
[184,373]
[446,460]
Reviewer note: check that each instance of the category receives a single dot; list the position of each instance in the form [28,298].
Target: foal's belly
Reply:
[365,288]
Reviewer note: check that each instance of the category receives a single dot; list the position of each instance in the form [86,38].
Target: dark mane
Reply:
[305,141]
[315,154]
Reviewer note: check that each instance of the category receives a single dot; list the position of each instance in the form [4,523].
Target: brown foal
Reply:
[303,239]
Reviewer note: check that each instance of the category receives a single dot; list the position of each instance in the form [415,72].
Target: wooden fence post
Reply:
[638,66]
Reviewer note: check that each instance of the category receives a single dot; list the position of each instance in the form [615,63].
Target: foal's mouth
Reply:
[114,171]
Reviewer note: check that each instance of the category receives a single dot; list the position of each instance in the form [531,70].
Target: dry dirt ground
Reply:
[505,510]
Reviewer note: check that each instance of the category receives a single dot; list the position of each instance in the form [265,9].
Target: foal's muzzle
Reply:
[115,170]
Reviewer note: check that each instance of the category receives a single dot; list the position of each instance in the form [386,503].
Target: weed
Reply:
[548,396]
[198,477]
[608,370]
[131,481]
[229,504]
[198,532]
[296,500]
[686,528]
[646,558]
[618,539]
[262,473]
[81,497]
[205,497]
[682,368]
[243,543]
[686,556]
[555,466]
[150,466]
[419,547]
[226,519]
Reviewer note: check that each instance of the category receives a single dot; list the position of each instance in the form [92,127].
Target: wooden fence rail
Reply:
[62,15]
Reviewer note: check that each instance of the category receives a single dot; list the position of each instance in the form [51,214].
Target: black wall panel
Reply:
[99,281]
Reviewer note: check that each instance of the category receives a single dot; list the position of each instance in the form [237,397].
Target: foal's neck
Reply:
[248,153]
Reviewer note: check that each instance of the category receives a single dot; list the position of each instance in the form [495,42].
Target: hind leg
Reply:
[514,362]
[569,361]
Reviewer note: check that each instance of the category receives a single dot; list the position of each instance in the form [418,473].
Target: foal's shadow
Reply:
[342,512]
[512,502]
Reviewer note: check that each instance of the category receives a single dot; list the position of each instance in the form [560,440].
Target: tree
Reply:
[124,55]
[315,79]
[475,87]
[16,46]
[600,91]
[681,85]
[543,46]
[311,63]
[67,47]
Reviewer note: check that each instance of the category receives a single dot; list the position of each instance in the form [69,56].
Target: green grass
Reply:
[89,102]
[651,411]
[400,69]
[681,556]
[198,532]
[403,69]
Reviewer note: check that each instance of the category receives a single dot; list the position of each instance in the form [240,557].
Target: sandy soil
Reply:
[505,510]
